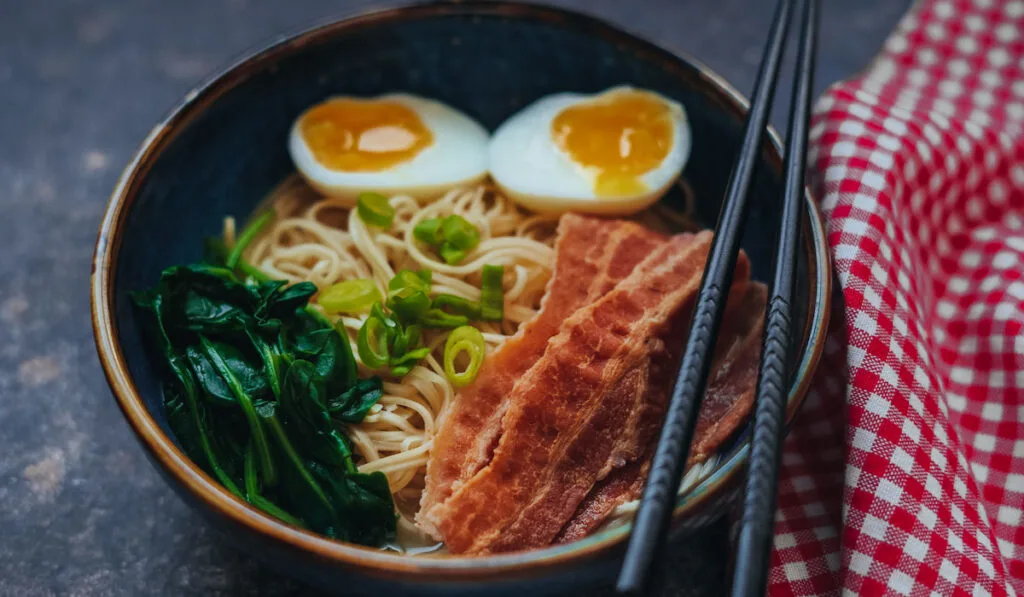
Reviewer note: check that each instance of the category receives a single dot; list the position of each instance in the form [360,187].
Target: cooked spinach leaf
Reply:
[258,387]
[352,405]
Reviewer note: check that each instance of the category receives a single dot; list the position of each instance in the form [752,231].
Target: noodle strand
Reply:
[322,241]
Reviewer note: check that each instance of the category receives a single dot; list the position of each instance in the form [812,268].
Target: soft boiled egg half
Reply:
[391,144]
[615,152]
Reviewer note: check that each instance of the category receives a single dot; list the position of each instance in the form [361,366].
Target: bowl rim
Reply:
[162,449]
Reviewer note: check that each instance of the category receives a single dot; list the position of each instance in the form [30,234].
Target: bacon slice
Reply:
[630,419]
[621,486]
[591,256]
[551,451]
[730,395]
[727,402]
[650,400]
[631,416]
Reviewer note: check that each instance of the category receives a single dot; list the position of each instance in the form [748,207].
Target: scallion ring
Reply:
[374,209]
[350,296]
[372,343]
[466,339]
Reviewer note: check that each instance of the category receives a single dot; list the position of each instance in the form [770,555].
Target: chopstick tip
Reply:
[628,587]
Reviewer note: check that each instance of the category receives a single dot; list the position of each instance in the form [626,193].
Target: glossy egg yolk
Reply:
[620,136]
[363,135]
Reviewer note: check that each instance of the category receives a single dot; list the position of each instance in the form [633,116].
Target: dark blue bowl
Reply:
[224,148]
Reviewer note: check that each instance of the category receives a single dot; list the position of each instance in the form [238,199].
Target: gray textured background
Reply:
[81,83]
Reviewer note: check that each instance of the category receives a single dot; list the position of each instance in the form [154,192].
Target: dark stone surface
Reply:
[81,83]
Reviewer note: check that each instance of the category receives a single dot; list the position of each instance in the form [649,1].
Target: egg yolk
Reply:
[620,135]
[363,135]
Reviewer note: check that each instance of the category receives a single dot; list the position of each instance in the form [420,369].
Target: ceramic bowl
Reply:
[224,147]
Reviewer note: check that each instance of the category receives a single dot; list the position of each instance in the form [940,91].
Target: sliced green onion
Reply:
[408,303]
[492,294]
[248,235]
[412,335]
[453,237]
[401,370]
[428,232]
[457,305]
[436,318]
[377,310]
[407,278]
[407,294]
[451,255]
[398,345]
[466,339]
[374,209]
[372,342]
[410,358]
[350,296]
[459,233]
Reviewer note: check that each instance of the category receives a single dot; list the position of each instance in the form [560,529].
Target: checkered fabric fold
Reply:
[904,473]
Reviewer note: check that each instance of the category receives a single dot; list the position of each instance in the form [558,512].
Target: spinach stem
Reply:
[252,491]
[204,441]
[252,271]
[260,439]
[248,235]
[189,388]
[286,446]
[269,363]
[266,353]
[220,250]
[346,453]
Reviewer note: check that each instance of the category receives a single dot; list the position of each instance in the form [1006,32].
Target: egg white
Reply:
[457,157]
[528,166]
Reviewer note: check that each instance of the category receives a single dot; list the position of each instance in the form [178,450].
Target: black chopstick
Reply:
[757,523]
[650,527]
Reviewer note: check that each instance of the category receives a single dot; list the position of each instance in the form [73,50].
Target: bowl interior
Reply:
[227,148]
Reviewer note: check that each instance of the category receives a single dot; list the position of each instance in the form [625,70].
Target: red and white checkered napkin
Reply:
[904,473]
